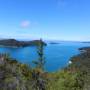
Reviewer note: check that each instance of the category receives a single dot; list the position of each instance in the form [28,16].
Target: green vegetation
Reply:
[18,76]
[41,59]
[14,75]
[65,80]
[74,77]
[16,43]
[38,72]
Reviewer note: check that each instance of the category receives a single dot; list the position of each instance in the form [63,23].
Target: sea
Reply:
[57,55]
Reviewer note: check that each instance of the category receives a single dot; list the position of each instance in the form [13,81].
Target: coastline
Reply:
[9,46]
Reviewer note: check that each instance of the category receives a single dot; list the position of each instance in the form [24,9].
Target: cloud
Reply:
[25,24]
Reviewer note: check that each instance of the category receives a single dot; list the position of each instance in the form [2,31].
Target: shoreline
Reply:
[9,46]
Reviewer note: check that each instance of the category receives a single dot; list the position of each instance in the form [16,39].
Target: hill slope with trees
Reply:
[18,76]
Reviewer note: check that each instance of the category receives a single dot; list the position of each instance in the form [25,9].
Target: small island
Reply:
[16,43]
[54,43]
[86,42]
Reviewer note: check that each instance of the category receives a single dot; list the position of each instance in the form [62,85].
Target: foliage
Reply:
[18,76]
[37,74]
[65,80]
[41,60]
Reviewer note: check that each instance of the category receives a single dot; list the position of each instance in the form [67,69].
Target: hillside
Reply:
[16,43]
[13,75]
[74,77]
[18,76]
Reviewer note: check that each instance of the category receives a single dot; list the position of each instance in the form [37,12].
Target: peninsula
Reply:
[16,43]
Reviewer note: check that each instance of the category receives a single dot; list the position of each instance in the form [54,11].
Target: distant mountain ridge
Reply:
[16,43]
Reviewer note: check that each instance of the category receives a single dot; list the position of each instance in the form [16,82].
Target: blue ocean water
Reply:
[57,55]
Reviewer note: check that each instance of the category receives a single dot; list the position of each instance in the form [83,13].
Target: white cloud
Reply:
[25,24]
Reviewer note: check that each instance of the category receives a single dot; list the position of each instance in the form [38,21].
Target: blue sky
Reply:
[47,19]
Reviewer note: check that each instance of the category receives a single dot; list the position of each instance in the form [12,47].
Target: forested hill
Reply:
[16,43]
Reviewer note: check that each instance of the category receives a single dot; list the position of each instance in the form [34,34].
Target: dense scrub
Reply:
[74,77]
[14,75]
[18,76]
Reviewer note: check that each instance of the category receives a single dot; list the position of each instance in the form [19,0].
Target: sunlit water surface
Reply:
[56,55]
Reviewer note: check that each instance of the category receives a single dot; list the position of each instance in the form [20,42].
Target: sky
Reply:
[46,19]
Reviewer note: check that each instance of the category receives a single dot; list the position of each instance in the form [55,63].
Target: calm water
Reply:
[57,55]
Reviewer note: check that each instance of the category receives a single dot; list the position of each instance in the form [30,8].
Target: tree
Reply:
[39,82]
[40,51]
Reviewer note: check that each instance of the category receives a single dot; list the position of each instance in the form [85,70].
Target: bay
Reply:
[57,56]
